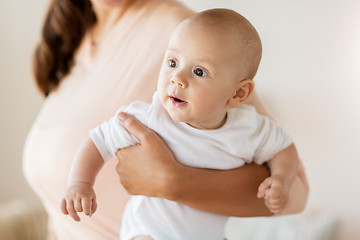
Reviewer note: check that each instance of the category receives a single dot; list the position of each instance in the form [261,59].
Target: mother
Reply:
[95,56]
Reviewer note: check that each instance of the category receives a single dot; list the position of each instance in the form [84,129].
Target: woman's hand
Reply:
[147,168]
[150,169]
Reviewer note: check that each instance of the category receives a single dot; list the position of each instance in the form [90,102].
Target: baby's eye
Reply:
[200,72]
[172,63]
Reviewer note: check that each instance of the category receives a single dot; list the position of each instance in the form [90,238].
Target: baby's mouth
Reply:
[177,101]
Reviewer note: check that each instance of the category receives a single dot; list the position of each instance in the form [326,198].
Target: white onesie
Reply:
[245,137]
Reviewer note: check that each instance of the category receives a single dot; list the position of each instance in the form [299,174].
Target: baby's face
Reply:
[198,77]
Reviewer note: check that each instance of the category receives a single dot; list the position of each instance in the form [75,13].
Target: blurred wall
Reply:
[309,79]
[20,23]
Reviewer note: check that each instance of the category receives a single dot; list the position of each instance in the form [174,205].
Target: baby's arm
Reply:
[275,189]
[79,195]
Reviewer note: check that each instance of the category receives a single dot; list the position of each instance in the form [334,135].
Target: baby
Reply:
[199,111]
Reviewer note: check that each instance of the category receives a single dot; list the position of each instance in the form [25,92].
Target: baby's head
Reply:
[208,67]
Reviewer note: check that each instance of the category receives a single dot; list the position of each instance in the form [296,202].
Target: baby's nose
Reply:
[179,83]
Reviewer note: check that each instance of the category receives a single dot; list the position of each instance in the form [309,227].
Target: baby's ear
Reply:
[241,93]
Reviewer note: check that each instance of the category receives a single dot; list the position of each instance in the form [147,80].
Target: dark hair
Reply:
[64,27]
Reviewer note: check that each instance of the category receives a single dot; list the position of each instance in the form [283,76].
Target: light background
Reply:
[309,80]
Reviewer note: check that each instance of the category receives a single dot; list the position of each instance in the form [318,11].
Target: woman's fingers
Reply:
[134,127]
[147,168]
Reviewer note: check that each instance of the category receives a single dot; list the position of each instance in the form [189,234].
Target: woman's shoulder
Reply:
[174,11]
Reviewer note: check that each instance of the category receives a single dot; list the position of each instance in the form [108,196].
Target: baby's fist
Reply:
[78,197]
[275,192]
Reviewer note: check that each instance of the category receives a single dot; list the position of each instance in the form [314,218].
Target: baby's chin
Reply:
[177,117]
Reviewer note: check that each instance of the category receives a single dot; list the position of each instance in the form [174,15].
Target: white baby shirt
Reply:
[245,137]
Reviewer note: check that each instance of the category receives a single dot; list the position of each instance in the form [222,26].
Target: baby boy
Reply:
[199,111]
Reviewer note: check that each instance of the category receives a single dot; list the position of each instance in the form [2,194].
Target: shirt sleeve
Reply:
[270,139]
[110,136]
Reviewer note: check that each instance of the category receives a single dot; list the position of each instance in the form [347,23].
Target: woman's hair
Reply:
[65,26]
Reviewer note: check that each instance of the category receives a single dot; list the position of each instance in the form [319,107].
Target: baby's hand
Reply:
[78,197]
[275,191]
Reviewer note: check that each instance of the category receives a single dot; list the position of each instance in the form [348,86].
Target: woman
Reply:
[94,57]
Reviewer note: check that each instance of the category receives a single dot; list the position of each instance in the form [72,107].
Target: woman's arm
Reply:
[156,173]
[231,192]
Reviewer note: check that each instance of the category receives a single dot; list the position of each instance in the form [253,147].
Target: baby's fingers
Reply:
[88,206]
[71,210]
[263,186]
[276,208]
[63,207]
[93,205]
[275,193]
[275,205]
[77,205]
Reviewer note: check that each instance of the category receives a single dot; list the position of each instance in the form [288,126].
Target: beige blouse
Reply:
[124,69]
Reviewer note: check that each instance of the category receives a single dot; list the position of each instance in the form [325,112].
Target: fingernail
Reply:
[122,116]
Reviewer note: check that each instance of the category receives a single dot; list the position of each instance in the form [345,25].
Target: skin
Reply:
[206,67]
[107,12]
[192,71]
[198,82]
[155,173]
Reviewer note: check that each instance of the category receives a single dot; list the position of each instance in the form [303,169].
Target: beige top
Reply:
[123,70]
